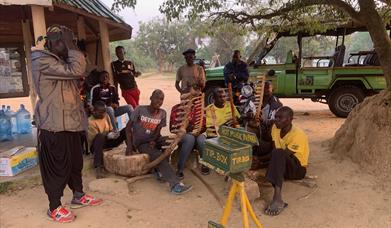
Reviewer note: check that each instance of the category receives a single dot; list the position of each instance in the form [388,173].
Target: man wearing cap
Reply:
[190,75]
[61,120]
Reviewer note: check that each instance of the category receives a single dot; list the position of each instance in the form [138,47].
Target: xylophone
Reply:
[253,124]
[189,101]
[115,160]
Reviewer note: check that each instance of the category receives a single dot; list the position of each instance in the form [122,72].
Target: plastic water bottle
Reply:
[3,108]
[23,120]
[5,127]
[12,116]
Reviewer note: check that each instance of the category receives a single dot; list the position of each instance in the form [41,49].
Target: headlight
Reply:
[247,90]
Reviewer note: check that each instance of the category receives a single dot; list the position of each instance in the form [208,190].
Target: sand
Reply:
[347,195]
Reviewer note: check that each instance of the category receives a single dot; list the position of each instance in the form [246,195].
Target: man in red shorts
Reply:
[124,74]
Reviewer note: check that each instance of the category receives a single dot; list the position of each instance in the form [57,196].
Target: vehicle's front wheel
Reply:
[343,99]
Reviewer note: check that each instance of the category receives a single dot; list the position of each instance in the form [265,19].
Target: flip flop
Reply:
[271,211]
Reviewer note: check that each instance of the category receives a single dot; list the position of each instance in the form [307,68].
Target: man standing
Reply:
[124,74]
[289,158]
[190,75]
[60,120]
[108,94]
[236,71]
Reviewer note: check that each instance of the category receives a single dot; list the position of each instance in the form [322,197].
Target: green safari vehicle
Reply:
[326,79]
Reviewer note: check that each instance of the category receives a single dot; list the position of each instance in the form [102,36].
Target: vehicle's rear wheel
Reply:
[343,99]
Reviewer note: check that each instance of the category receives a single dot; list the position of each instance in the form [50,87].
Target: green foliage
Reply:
[362,42]
[164,42]
[159,43]
[141,61]
[120,4]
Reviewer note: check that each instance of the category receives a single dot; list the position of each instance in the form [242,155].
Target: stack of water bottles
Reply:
[14,123]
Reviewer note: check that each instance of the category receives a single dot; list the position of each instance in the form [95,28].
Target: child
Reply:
[101,135]
[146,123]
[108,94]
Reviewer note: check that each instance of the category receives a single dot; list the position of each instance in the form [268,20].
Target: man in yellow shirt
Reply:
[289,157]
[217,114]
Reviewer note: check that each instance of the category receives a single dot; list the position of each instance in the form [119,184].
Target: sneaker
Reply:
[61,215]
[180,188]
[85,200]
[180,175]
[205,170]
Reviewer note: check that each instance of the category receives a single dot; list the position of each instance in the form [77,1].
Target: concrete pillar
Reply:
[39,24]
[105,40]
[27,40]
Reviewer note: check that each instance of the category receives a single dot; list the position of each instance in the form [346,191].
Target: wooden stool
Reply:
[115,161]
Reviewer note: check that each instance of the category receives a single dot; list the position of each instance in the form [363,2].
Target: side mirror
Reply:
[271,73]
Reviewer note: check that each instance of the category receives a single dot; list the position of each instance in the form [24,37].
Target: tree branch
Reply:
[243,17]
[387,2]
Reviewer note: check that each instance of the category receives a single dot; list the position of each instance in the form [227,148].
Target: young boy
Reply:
[146,123]
[101,135]
[108,94]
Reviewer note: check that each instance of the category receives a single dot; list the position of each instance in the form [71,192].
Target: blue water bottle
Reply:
[23,120]
[5,127]
[12,116]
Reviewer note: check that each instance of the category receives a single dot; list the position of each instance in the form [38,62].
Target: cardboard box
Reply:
[17,160]
[122,120]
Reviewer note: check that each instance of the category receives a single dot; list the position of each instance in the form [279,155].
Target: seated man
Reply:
[289,157]
[236,71]
[146,123]
[217,114]
[108,94]
[187,143]
[269,108]
[101,136]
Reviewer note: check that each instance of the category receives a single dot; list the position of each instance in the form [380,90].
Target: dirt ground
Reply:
[345,196]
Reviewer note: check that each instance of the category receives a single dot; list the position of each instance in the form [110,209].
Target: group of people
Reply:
[58,73]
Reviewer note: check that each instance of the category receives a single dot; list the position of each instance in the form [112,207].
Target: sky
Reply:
[145,10]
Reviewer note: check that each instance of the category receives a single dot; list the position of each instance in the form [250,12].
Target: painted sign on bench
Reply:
[231,152]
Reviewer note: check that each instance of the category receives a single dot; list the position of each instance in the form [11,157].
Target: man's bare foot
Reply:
[275,208]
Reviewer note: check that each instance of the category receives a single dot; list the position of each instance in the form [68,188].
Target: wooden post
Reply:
[27,39]
[81,28]
[104,40]
[39,24]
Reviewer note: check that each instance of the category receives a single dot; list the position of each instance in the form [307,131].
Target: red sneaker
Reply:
[85,200]
[61,215]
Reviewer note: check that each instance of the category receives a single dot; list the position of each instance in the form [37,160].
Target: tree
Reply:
[164,42]
[141,61]
[364,136]
[309,15]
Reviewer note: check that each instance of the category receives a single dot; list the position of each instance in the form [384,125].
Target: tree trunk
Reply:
[260,44]
[380,38]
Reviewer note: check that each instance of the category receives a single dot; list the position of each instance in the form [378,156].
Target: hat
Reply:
[189,51]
